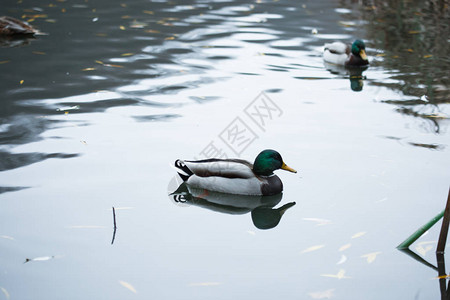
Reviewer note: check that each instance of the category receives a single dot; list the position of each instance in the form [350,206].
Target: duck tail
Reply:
[183,170]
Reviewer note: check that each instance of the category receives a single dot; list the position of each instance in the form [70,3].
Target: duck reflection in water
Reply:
[263,213]
[355,74]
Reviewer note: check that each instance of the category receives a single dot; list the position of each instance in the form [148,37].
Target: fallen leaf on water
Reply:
[318,221]
[322,295]
[427,56]
[342,260]
[114,66]
[99,62]
[339,275]
[424,247]
[128,286]
[127,54]
[345,247]
[42,258]
[5,292]
[370,257]
[122,27]
[21,82]
[152,31]
[148,12]
[123,4]
[359,234]
[410,50]
[170,38]
[380,54]
[88,69]
[204,284]
[313,248]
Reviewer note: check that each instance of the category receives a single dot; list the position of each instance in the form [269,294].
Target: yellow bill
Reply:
[363,54]
[287,168]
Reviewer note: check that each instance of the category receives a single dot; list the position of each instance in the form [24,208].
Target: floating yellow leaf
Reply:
[21,82]
[5,292]
[114,66]
[345,247]
[359,234]
[88,69]
[424,247]
[328,294]
[413,31]
[39,52]
[380,54]
[128,286]
[122,27]
[99,62]
[313,248]
[148,12]
[50,20]
[339,275]
[427,56]
[123,4]
[204,284]
[126,17]
[410,50]
[127,54]
[370,257]
[152,31]
[63,10]
[170,38]
[318,221]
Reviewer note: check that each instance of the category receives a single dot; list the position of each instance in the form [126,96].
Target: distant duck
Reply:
[10,26]
[342,54]
[235,176]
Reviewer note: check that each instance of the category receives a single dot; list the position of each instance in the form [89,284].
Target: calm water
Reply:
[94,114]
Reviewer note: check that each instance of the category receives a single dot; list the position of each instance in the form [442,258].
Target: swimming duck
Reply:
[235,176]
[10,26]
[345,55]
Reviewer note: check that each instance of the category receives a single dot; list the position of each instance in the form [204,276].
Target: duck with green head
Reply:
[235,176]
[342,54]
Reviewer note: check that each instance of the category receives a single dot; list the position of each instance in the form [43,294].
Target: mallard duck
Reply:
[235,176]
[345,55]
[10,26]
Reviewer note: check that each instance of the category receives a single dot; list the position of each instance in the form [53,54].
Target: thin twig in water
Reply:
[115,227]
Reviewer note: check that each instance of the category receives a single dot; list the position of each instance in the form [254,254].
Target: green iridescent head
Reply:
[359,49]
[268,161]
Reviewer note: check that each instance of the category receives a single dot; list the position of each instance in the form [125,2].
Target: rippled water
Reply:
[94,114]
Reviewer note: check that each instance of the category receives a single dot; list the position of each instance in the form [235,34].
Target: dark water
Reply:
[94,113]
